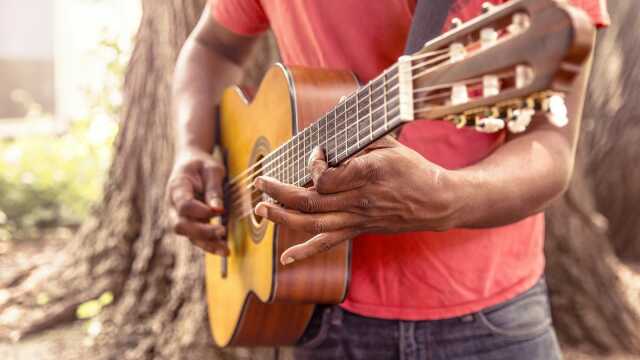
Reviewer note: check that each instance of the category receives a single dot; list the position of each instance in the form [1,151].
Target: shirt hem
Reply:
[413,314]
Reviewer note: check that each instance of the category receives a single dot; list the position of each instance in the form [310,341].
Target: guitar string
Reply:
[379,77]
[343,123]
[352,124]
[358,101]
[251,203]
[238,189]
[243,175]
[249,186]
[347,140]
[332,138]
[260,162]
[252,190]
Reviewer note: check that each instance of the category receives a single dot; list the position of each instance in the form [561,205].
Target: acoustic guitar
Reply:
[490,74]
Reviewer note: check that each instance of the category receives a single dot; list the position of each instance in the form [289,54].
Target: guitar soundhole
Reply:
[257,224]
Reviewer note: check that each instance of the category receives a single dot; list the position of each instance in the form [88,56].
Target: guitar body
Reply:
[254,300]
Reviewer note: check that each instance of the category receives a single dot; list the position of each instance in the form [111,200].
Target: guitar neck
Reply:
[357,121]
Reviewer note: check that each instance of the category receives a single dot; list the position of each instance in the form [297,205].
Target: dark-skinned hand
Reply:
[194,193]
[389,188]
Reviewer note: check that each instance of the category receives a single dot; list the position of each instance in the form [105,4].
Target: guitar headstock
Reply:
[498,69]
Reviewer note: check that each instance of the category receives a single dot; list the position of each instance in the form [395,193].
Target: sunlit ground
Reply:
[58,121]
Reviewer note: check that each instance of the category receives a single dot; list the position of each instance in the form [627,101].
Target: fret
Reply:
[352,124]
[269,166]
[356,120]
[317,128]
[303,155]
[301,159]
[371,114]
[296,158]
[341,131]
[308,148]
[285,160]
[322,134]
[386,117]
[280,163]
[331,137]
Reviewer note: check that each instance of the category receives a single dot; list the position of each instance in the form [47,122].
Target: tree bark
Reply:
[595,225]
[157,278]
[613,132]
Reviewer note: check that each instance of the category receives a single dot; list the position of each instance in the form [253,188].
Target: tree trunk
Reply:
[124,248]
[613,133]
[597,218]
[158,280]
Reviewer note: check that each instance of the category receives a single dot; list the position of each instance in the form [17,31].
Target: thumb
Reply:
[212,176]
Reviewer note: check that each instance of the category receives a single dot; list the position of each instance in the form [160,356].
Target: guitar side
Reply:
[260,301]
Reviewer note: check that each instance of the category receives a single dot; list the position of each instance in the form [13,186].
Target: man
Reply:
[447,256]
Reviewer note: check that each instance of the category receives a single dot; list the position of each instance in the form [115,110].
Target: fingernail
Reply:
[288,260]
[215,203]
[258,183]
[261,210]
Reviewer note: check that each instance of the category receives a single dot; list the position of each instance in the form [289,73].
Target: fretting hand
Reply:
[387,189]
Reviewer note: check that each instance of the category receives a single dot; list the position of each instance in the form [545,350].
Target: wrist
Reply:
[190,150]
[455,192]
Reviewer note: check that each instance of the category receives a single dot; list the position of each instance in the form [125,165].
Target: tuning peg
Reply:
[456,22]
[557,111]
[486,7]
[489,125]
[520,120]
[519,23]
[524,76]
[459,121]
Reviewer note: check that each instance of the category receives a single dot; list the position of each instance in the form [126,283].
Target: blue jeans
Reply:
[516,329]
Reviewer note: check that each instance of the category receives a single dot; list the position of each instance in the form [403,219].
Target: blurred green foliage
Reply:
[53,180]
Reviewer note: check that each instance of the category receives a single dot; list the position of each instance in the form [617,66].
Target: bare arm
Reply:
[210,60]
[391,188]
[526,173]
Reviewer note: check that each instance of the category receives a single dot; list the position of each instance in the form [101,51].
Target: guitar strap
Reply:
[428,22]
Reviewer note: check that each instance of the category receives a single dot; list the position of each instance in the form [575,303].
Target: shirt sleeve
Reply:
[244,17]
[597,9]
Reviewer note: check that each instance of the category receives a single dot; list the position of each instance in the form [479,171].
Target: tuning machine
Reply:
[491,122]
[557,111]
[520,119]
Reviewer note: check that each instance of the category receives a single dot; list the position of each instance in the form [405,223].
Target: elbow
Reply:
[561,176]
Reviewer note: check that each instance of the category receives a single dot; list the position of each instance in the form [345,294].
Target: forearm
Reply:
[523,175]
[210,61]
[519,179]
[200,77]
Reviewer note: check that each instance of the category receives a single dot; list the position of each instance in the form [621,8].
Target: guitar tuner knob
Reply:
[486,7]
[520,120]
[460,121]
[489,125]
[558,114]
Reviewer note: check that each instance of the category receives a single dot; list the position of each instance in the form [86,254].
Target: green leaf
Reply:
[106,298]
[88,309]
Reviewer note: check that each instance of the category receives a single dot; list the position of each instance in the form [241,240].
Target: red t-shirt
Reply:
[410,276]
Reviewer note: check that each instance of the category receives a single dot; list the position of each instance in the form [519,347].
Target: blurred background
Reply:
[86,143]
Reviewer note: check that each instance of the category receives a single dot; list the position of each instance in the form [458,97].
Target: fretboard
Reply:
[364,116]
